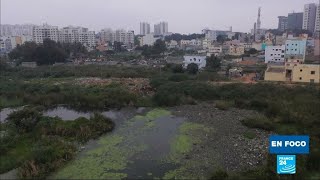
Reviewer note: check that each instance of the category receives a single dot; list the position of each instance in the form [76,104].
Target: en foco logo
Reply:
[288,144]
[286,164]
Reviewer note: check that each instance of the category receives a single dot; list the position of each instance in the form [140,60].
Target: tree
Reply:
[221,39]
[177,68]
[252,51]
[47,53]
[213,62]
[136,41]
[159,47]
[246,39]
[192,68]
[262,38]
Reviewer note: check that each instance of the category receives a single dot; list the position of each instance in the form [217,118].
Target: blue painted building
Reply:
[295,47]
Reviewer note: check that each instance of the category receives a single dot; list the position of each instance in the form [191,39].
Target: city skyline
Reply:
[182,16]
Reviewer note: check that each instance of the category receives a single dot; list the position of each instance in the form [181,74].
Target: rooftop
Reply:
[276,69]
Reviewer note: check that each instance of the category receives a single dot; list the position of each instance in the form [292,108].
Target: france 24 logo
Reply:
[286,164]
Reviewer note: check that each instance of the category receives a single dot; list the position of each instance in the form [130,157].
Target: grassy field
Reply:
[285,109]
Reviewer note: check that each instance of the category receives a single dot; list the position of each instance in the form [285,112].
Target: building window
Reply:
[300,70]
[313,72]
[312,80]
[271,54]
[300,78]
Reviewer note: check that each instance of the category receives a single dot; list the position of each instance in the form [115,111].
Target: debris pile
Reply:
[136,85]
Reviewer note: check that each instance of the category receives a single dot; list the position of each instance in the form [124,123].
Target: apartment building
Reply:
[161,28]
[214,50]
[16,30]
[295,48]
[275,54]
[148,40]
[120,35]
[282,23]
[45,32]
[317,23]
[295,20]
[236,50]
[82,35]
[144,28]
[309,16]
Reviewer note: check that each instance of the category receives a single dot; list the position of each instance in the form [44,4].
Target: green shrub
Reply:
[249,135]
[24,120]
[223,105]
[260,121]
[178,77]
[177,68]
[219,175]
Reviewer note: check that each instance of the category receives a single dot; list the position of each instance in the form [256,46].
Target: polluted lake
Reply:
[148,145]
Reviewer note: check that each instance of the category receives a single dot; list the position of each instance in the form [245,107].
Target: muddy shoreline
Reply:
[227,142]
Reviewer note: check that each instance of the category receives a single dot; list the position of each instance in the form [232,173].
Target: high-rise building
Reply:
[144,28]
[16,30]
[317,23]
[295,20]
[282,23]
[45,32]
[309,16]
[161,28]
[106,35]
[82,35]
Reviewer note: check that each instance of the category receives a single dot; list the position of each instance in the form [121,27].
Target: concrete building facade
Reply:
[295,48]
[82,35]
[309,16]
[236,50]
[198,60]
[144,28]
[295,20]
[275,54]
[148,39]
[317,23]
[45,32]
[282,23]
[16,30]
[161,28]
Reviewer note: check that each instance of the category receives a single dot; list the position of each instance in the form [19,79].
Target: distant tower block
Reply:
[259,21]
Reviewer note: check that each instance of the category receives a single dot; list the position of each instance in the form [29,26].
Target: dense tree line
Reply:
[48,52]
[157,49]
[179,37]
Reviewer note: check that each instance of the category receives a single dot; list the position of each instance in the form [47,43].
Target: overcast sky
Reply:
[183,16]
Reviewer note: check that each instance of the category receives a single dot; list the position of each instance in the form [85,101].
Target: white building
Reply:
[206,43]
[198,60]
[45,32]
[106,35]
[213,34]
[309,16]
[172,44]
[275,54]
[16,30]
[148,39]
[82,35]
[120,35]
[161,28]
[144,28]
